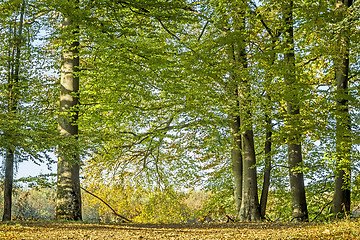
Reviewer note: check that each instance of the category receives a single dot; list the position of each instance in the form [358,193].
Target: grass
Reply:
[76,230]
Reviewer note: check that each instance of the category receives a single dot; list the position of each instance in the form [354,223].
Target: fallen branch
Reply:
[229,219]
[115,213]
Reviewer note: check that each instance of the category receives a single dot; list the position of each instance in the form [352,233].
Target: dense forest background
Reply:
[177,111]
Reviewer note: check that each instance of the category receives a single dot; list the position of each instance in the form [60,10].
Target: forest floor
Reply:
[68,230]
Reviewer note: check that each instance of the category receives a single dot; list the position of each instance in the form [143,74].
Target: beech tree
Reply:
[297,185]
[68,197]
[196,92]
[341,200]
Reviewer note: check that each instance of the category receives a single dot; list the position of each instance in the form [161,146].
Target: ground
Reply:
[65,230]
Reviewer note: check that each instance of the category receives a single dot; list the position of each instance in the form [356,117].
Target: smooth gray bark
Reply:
[341,200]
[249,207]
[297,186]
[235,124]
[68,198]
[236,160]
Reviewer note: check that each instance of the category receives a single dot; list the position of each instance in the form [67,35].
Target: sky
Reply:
[28,168]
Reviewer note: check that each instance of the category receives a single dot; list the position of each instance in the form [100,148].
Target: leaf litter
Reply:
[92,231]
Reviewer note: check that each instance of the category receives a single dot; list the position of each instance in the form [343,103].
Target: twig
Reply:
[322,209]
[203,30]
[167,30]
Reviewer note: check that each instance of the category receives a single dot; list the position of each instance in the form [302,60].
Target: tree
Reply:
[250,209]
[244,170]
[341,199]
[13,87]
[297,185]
[68,197]
[26,126]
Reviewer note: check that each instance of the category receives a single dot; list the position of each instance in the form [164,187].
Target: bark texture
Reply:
[8,184]
[299,206]
[236,160]
[267,170]
[250,207]
[68,199]
[341,200]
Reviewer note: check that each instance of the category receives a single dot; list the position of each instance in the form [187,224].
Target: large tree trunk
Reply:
[13,99]
[68,199]
[250,208]
[299,206]
[267,170]
[341,200]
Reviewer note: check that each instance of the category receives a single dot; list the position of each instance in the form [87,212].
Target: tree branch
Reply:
[167,30]
[203,30]
[115,213]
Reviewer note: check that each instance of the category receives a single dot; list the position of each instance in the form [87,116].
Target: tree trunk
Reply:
[267,170]
[236,160]
[68,198]
[299,206]
[13,99]
[341,199]
[8,184]
[235,124]
[250,208]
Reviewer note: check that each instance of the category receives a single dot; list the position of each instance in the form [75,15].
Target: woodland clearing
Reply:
[74,230]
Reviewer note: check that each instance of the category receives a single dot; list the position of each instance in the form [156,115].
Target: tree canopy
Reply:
[254,101]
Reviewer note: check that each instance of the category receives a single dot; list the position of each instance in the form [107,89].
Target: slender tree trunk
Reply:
[13,87]
[236,160]
[8,184]
[235,125]
[267,170]
[68,199]
[299,206]
[268,133]
[341,199]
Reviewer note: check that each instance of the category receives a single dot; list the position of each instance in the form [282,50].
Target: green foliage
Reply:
[38,182]
[156,93]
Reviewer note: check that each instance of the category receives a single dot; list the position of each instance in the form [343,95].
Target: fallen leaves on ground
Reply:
[61,230]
